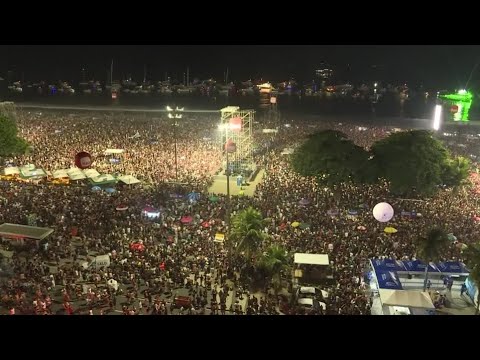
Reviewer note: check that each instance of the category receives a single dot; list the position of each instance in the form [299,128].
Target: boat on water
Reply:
[265,88]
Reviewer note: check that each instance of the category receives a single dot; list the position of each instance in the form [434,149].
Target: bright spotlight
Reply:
[437,116]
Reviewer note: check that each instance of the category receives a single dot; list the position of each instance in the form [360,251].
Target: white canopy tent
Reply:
[76,174]
[311,259]
[12,170]
[113,151]
[62,173]
[30,171]
[128,179]
[103,178]
[288,151]
[406,298]
[91,173]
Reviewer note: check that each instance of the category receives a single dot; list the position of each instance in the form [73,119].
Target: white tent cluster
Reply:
[74,174]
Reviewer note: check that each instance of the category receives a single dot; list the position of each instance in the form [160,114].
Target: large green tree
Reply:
[10,142]
[411,161]
[430,248]
[332,159]
[456,170]
[247,233]
[273,264]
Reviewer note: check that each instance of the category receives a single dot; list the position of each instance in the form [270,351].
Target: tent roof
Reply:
[129,179]
[30,171]
[103,179]
[24,231]
[91,173]
[12,170]
[288,151]
[311,259]
[406,298]
[114,151]
[62,173]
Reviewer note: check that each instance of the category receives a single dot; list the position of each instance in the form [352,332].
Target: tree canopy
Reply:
[273,263]
[10,143]
[247,231]
[455,170]
[413,161]
[332,158]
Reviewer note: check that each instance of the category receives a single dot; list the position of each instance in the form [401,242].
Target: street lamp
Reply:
[175,114]
[230,148]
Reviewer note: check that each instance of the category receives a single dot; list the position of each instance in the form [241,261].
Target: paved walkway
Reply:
[219,185]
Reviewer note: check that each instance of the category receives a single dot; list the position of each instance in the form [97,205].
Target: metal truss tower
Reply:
[237,127]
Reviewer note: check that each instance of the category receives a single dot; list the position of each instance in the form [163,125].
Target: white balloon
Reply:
[383,212]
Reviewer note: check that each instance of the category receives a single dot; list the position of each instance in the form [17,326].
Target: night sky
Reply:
[434,66]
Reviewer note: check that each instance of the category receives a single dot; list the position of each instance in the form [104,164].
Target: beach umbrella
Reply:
[110,190]
[213,198]
[186,219]
[295,224]
[383,212]
[205,224]
[121,208]
[390,230]
[193,196]
[332,212]
[352,212]
[137,247]
[361,228]
[452,237]
[96,188]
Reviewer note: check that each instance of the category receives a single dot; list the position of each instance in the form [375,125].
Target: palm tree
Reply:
[275,262]
[247,232]
[430,248]
[472,256]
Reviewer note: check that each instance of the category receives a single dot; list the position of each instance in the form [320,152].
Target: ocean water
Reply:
[391,105]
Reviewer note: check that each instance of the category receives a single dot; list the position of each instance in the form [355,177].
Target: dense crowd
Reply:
[180,254]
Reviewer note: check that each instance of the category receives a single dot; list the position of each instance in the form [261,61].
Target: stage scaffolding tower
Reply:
[236,126]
